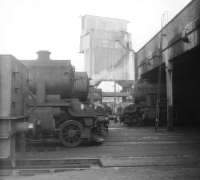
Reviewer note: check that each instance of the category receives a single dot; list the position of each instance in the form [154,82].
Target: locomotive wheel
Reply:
[70,133]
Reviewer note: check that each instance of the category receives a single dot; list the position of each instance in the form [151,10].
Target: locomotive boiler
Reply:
[56,97]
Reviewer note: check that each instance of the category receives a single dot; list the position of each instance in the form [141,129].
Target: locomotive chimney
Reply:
[43,55]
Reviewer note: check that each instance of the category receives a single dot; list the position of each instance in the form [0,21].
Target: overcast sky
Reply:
[31,25]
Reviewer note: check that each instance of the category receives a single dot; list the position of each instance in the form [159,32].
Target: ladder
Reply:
[164,20]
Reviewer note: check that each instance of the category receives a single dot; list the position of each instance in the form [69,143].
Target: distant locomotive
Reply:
[142,111]
[57,95]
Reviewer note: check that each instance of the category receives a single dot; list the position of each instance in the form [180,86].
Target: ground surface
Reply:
[131,153]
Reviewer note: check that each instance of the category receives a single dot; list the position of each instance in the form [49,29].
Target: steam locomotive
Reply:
[57,99]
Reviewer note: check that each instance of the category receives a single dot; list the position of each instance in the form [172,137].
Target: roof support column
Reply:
[169,85]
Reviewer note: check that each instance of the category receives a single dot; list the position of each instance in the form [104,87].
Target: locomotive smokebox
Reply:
[50,77]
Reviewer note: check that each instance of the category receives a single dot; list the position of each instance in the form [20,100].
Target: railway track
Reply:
[38,166]
[122,148]
[29,167]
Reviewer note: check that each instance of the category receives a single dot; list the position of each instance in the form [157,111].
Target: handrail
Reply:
[13,117]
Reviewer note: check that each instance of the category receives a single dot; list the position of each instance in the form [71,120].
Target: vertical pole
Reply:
[169,81]
[115,96]
[91,59]
[158,99]
[157,120]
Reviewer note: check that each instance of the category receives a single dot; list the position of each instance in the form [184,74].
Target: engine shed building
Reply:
[177,49]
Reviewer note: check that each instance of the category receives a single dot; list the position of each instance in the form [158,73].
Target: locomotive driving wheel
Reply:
[70,133]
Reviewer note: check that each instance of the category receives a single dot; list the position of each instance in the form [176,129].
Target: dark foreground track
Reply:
[136,147]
